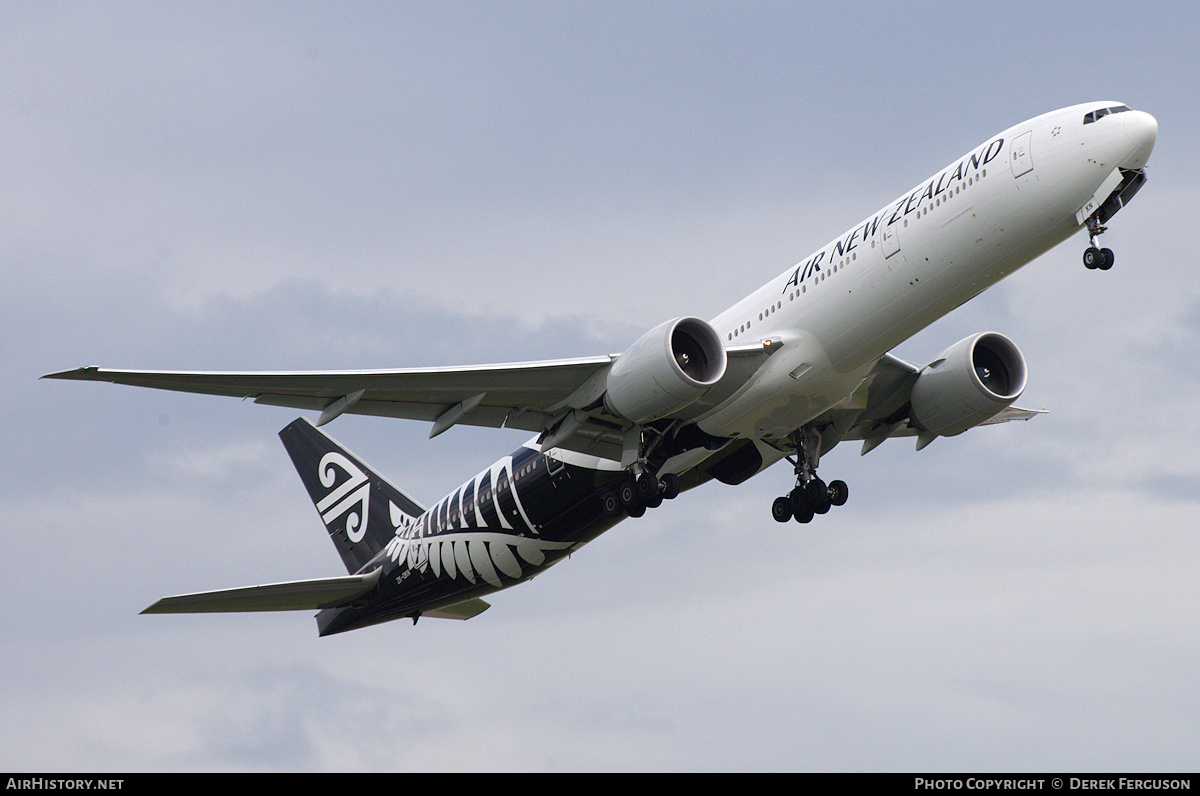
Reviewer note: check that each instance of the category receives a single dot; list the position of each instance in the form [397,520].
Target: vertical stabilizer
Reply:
[360,509]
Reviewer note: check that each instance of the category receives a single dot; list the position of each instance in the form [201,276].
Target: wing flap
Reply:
[906,428]
[491,416]
[300,595]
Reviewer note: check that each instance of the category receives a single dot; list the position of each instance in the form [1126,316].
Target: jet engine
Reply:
[668,368]
[970,382]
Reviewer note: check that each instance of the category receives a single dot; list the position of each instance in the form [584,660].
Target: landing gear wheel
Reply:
[629,500]
[669,486]
[838,493]
[611,504]
[781,509]
[648,490]
[1094,256]
[804,514]
[817,495]
[814,491]
[646,486]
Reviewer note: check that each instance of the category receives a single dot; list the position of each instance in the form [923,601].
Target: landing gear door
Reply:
[1020,157]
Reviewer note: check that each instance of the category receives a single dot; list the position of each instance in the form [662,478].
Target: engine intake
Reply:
[668,368]
[970,382]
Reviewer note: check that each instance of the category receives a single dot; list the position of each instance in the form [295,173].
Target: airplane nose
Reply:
[1142,131]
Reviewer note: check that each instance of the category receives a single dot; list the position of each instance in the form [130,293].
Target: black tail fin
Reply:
[359,508]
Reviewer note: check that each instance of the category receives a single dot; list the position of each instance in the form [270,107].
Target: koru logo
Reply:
[351,498]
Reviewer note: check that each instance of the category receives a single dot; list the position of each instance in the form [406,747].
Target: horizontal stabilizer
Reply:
[464,610]
[299,595]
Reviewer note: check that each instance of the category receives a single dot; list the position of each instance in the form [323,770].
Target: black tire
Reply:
[629,498]
[838,493]
[646,486]
[1092,257]
[1107,258]
[669,486]
[610,503]
[804,514]
[781,509]
[817,494]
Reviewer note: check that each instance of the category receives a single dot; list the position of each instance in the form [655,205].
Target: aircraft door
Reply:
[1020,157]
[890,240]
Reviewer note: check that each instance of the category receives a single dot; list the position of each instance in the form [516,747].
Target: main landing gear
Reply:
[636,493]
[1095,257]
[811,495]
[809,499]
[641,488]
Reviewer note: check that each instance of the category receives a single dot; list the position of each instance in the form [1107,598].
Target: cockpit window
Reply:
[1100,114]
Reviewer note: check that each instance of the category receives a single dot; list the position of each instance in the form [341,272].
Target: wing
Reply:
[880,408]
[533,396]
[558,399]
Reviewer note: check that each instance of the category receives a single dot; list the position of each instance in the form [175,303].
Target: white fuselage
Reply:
[955,234]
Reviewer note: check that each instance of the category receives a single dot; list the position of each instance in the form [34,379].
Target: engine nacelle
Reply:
[669,367]
[970,382]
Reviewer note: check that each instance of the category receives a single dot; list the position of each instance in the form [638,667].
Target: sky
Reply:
[328,186]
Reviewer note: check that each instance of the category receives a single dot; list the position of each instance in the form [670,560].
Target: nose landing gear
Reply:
[1095,257]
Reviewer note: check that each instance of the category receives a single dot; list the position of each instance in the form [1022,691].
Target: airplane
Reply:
[788,372]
